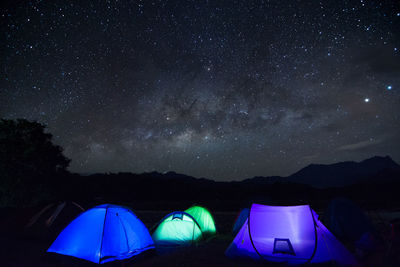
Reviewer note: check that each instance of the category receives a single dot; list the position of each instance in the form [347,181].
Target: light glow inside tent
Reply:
[177,229]
[287,234]
[102,234]
[204,218]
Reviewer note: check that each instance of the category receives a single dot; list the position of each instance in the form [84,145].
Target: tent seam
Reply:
[102,235]
[126,236]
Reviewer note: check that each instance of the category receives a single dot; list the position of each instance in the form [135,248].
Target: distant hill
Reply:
[374,182]
[372,170]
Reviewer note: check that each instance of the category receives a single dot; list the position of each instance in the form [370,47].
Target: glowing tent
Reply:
[102,234]
[287,234]
[204,219]
[177,229]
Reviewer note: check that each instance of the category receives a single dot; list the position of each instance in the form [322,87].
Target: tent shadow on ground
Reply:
[53,259]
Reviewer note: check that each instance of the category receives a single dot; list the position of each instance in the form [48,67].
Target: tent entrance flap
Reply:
[283,246]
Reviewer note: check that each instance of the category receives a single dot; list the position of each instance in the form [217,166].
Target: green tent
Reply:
[204,219]
[177,229]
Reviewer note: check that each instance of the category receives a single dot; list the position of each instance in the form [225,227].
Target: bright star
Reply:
[366,100]
[389,87]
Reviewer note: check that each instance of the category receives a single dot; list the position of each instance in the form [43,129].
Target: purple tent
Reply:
[287,234]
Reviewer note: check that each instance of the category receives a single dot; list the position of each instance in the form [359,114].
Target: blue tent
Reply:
[240,220]
[102,234]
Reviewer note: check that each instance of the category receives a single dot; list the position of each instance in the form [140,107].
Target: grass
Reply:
[20,249]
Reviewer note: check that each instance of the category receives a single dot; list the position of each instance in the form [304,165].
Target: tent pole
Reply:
[316,236]
[251,239]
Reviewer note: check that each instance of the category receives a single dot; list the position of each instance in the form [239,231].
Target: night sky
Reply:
[218,89]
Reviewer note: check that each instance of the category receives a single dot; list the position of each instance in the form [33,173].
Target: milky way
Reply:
[219,89]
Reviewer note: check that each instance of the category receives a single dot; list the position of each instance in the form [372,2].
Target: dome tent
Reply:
[44,222]
[52,218]
[346,220]
[204,218]
[50,213]
[177,229]
[102,234]
[291,234]
[349,223]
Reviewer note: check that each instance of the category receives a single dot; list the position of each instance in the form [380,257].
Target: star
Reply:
[151,82]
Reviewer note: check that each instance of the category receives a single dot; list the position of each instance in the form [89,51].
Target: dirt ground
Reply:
[21,249]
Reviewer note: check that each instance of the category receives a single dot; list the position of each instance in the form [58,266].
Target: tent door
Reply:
[283,246]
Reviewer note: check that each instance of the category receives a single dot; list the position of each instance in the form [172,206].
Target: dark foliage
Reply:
[29,162]
[33,170]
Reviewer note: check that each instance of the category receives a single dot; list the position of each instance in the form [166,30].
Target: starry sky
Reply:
[220,89]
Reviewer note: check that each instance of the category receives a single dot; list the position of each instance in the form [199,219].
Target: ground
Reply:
[22,249]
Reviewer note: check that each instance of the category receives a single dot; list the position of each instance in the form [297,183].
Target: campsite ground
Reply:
[21,250]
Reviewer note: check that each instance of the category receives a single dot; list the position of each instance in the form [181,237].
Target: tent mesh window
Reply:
[283,246]
[177,216]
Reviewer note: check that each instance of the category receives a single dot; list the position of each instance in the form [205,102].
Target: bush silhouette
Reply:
[29,162]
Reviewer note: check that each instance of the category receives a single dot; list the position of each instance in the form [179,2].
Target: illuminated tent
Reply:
[204,219]
[287,234]
[177,229]
[102,234]
[241,219]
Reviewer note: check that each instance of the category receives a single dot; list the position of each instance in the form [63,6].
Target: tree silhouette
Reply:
[29,161]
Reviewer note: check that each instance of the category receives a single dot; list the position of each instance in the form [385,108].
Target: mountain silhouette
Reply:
[372,170]
[375,180]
